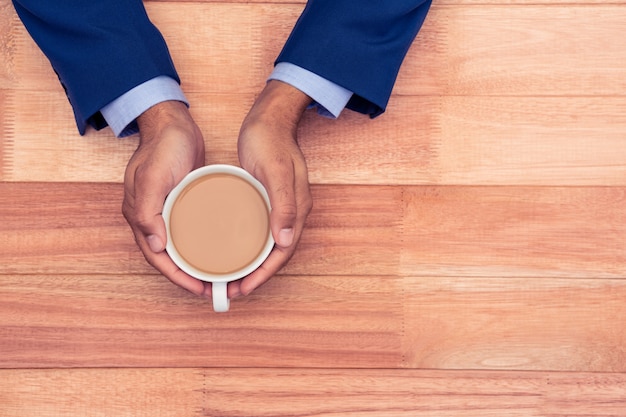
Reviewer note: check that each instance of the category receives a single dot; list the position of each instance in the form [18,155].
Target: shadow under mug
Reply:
[245,214]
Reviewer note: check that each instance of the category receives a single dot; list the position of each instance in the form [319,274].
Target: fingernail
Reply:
[155,243]
[285,237]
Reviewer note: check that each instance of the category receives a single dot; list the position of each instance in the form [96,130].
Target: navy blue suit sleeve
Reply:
[358,44]
[100,49]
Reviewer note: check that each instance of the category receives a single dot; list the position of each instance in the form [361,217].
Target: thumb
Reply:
[146,216]
[150,221]
[156,241]
[284,212]
[152,227]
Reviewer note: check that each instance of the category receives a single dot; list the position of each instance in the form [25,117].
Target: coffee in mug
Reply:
[218,229]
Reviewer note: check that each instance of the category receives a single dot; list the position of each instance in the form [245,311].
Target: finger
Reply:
[274,262]
[164,264]
[234,289]
[277,259]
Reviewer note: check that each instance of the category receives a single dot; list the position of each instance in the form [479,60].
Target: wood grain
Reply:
[357,322]
[278,392]
[466,254]
[41,143]
[508,324]
[421,140]
[352,230]
[520,231]
[144,321]
[90,393]
[543,50]
[66,227]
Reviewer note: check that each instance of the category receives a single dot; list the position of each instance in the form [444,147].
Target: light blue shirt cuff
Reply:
[121,114]
[330,98]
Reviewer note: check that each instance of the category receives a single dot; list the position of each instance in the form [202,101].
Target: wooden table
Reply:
[465,256]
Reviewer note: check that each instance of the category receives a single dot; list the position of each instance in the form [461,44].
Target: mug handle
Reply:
[221,303]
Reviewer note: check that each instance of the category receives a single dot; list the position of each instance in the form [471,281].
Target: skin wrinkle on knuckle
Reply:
[287,212]
[142,220]
[128,212]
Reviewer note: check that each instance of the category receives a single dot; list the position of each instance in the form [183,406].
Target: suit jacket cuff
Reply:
[329,98]
[121,114]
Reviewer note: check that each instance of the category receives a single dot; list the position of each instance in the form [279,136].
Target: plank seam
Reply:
[10,43]
[403,361]
[7,131]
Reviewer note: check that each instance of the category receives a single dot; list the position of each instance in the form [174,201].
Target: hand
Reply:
[171,146]
[268,149]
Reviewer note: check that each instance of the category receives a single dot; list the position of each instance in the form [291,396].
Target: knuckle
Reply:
[127,211]
[308,204]
[287,211]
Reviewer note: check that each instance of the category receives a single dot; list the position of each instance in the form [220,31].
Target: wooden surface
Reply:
[325,393]
[465,256]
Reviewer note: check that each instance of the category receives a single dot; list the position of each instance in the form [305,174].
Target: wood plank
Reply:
[516,50]
[52,321]
[473,141]
[352,230]
[421,140]
[515,323]
[519,50]
[65,227]
[515,231]
[114,392]
[40,141]
[538,141]
[78,228]
[323,393]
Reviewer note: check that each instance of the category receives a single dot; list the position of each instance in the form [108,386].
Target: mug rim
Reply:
[166,213]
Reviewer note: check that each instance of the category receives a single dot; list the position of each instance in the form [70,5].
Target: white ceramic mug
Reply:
[219,281]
